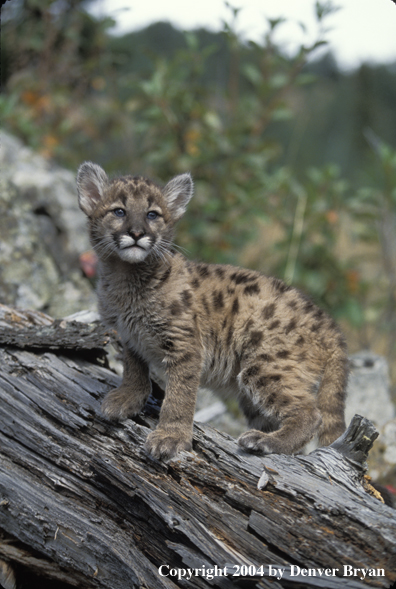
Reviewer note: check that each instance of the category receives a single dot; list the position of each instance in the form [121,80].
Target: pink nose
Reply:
[136,234]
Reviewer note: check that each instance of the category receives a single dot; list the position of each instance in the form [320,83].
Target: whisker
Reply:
[160,251]
[170,245]
[105,247]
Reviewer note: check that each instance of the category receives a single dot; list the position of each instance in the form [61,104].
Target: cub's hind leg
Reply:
[284,417]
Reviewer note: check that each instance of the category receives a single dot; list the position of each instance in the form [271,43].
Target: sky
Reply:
[361,30]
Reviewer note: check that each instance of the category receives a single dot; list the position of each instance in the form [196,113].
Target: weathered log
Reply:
[33,330]
[82,502]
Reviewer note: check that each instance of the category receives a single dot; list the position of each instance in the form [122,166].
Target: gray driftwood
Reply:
[81,501]
[33,330]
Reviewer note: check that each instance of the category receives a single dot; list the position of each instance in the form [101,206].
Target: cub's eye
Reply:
[152,215]
[119,212]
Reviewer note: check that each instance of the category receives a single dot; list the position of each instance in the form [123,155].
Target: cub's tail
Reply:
[331,396]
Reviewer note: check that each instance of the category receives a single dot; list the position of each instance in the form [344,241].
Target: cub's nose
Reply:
[136,234]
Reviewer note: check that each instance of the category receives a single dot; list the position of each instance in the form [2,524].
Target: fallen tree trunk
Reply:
[81,502]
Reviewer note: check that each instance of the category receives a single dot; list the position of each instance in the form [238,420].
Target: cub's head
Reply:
[131,217]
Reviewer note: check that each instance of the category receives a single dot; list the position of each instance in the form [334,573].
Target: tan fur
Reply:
[186,324]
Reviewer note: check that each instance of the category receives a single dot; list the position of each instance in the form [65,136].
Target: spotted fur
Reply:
[185,324]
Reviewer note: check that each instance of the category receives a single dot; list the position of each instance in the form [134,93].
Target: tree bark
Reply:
[81,501]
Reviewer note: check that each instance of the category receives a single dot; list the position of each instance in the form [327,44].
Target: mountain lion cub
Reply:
[186,324]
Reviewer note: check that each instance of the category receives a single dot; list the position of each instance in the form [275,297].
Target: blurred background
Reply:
[284,113]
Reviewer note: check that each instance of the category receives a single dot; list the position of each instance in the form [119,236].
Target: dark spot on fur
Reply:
[220,272]
[271,399]
[224,324]
[235,307]
[318,314]
[300,340]
[242,277]
[290,326]
[245,379]
[132,179]
[265,357]
[251,289]
[280,286]
[203,270]
[256,337]
[205,304]
[189,377]
[262,382]
[265,381]
[287,368]
[283,354]
[308,307]
[218,301]
[316,326]
[230,290]
[248,324]
[187,357]
[123,198]
[165,275]
[229,336]
[212,364]
[167,344]
[195,283]
[274,324]
[186,297]
[333,324]
[269,311]
[176,308]
[252,371]
[292,305]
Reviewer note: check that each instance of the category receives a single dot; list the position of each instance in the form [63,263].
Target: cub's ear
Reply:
[91,183]
[178,193]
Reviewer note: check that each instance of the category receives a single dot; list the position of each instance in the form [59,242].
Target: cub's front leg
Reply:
[130,398]
[174,431]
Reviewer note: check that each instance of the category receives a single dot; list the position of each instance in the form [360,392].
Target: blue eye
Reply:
[152,215]
[119,212]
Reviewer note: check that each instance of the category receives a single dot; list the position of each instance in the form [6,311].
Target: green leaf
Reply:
[252,73]
[278,80]
[282,114]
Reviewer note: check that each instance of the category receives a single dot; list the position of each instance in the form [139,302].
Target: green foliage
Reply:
[256,129]
[55,65]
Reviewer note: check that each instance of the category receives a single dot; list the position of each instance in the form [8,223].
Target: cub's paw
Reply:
[122,403]
[163,443]
[256,441]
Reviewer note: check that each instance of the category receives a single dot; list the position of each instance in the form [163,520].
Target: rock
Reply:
[49,190]
[369,389]
[42,232]
[84,316]
[389,440]
[212,410]
[382,459]
[369,395]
